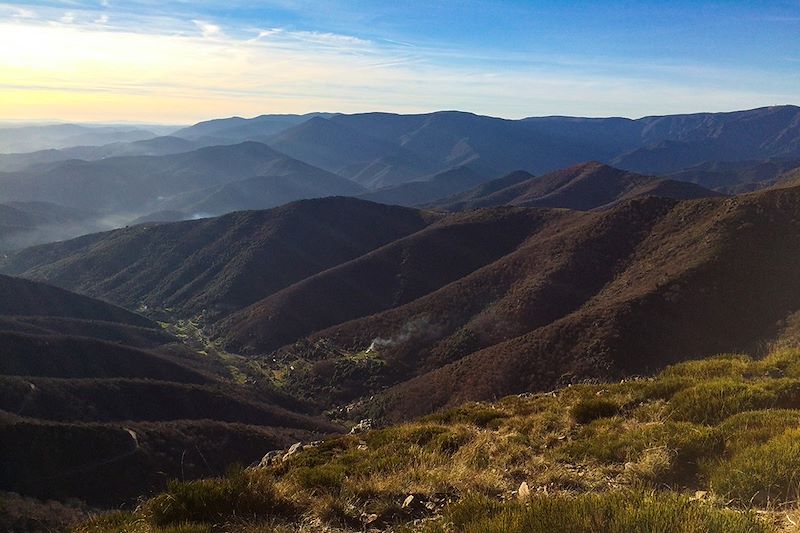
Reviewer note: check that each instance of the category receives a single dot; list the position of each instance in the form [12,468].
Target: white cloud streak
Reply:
[207,29]
[192,70]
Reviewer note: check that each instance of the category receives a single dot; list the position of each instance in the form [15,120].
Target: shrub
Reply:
[753,428]
[713,401]
[721,366]
[762,474]
[781,362]
[244,495]
[612,441]
[591,409]
[663,388]
[610,512]
[325,477]
[476,414]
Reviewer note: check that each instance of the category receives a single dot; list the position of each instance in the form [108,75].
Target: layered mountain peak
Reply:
[585,186]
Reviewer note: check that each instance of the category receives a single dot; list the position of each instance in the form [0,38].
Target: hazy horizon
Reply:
[166,125]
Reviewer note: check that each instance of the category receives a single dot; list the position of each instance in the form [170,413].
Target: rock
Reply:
[408,501]
[368,519]
[292,450]
[523,492]
[269,458]
[361,427]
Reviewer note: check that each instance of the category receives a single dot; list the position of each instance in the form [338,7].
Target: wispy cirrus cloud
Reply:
[93,60]
[315,37]
[207,29]
[23,13]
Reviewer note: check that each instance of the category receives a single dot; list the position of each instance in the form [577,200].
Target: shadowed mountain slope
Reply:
[390,276]
[347,151]
[585,294]
[82,357]
[737,176]
[155,146]
[24,224]
[112,464]
[153,183]
[710,276]
[265,192]
[238,129]
[584,187]
[120,416]
[680,141]
[426,191]
[30,138]
[488,302]
[384,149]
[221,264]
[20,297]
[468,199]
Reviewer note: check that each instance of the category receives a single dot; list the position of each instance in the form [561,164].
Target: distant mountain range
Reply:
[381,149]
[584,187]
[25,224]
[232,164]
[421,192]
[384,149]
[133,184]
[31,138]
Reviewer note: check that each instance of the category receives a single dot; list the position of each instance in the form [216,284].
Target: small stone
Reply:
[292,450]
[408,501]
[269,458]
[362,426]
[523,492]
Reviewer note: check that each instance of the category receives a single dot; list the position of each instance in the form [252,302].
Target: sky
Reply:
[180,62]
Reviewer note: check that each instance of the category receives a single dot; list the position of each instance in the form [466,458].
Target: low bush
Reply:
[477,414]
[241,494]
[663,388]
[326,477]
[614,441]
[611,512]
[768,473]
[721,366]
[712,402]
[753,428]
[591,409]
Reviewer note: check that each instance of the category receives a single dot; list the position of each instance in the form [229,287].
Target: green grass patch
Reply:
[764,474]
[712,402]
[586,411]
[753,428]
[477,414]
[611,512]
[241,494]
[615,441]
[721,366]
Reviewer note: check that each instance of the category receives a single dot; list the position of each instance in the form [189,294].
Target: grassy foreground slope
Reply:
[707,445]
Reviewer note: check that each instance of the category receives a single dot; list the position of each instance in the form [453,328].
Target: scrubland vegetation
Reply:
[710,445]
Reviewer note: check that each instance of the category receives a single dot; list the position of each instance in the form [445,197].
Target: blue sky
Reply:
[189,60]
